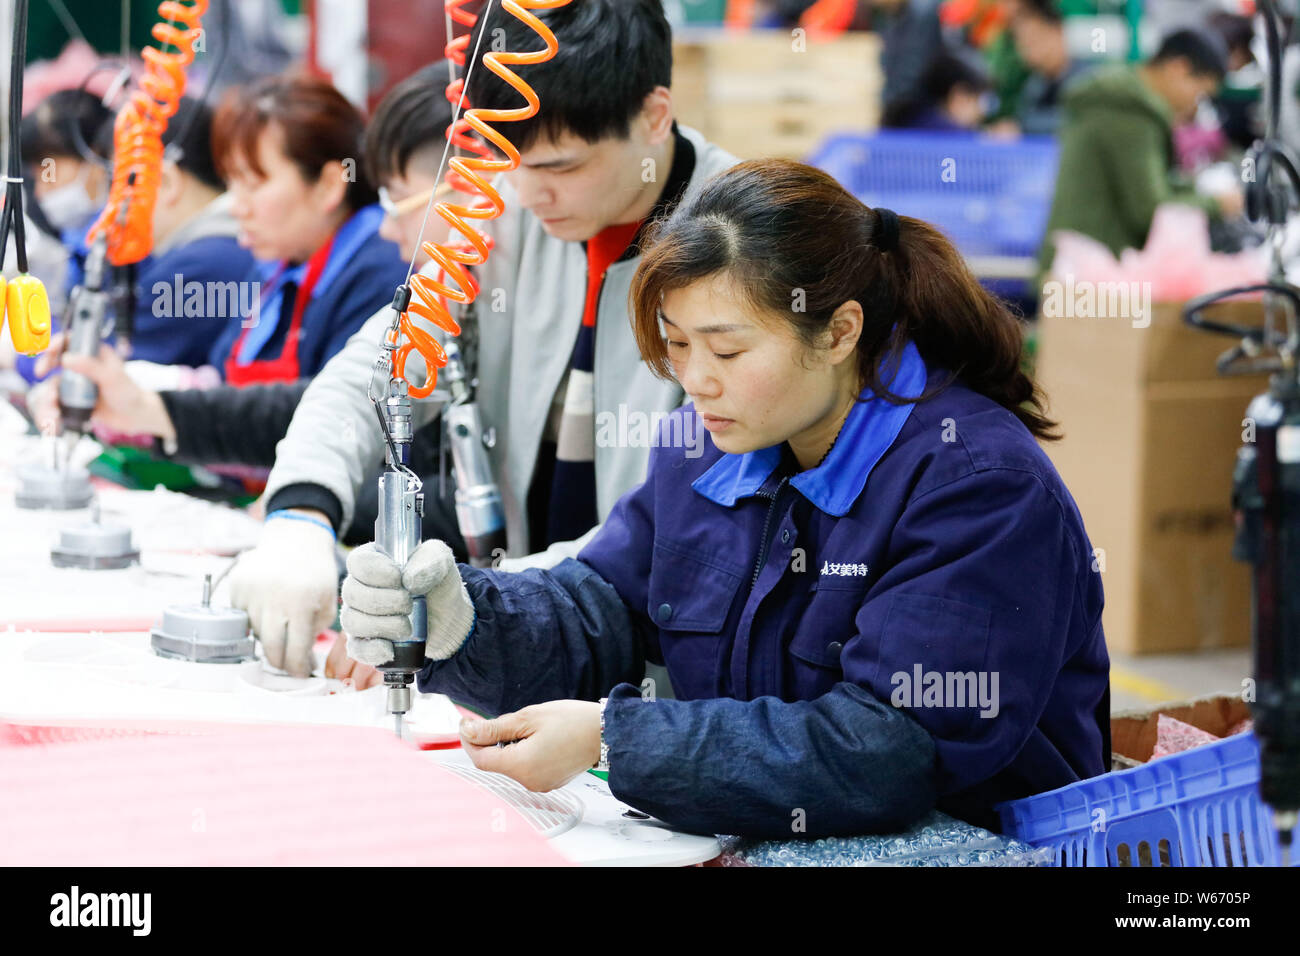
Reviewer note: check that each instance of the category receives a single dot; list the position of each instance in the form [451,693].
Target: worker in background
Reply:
[242,425]
[1117,155]
[65,144]
[556,356]
[1038,29]
[954,96]
[1240,99]
[872,514]
[195,248]
[911,38]
[289,148]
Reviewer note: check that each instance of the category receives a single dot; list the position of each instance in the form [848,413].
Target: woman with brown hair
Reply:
[868,584]
[290,150]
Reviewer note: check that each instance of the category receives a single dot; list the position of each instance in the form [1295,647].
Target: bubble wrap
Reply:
[1173,737]
[937,840]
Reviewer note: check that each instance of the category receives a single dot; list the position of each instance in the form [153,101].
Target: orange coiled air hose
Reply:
[127,220]
[469,174]
[461,133]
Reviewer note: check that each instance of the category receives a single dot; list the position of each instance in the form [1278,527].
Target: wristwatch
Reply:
[603,763]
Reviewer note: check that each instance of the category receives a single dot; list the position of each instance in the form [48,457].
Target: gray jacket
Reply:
[529,313]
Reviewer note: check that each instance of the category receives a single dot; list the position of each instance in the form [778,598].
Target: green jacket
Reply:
[1117,162]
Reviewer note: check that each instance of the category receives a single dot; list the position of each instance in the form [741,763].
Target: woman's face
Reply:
[281,214]
[754,384]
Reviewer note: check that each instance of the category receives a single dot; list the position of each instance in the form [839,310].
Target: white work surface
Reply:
[588,825]
[89,681]
[179,538]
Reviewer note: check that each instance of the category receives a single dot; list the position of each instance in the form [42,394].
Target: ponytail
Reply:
[957,325]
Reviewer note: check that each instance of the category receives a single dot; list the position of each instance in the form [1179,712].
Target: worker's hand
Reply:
[341,667]
[1005,128]
[377,602]
[1231,204]
[123,405]
[43,406]
[288,585]
[547,745]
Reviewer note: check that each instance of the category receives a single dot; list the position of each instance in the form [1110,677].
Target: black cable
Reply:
[78,140]
[14,187]
[1274,45]
[211,81]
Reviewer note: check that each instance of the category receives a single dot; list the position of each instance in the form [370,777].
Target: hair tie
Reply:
[887,228]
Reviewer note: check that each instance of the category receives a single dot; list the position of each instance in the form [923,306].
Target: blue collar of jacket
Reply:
[835,484]
[349,238]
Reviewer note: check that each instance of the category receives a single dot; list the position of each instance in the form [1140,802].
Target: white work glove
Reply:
[288,585]
[377,602]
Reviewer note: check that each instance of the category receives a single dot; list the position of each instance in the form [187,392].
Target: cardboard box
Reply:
[1151,434]
[769,93]
[1133,732]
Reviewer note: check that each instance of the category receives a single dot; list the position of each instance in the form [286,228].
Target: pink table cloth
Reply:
[266,796]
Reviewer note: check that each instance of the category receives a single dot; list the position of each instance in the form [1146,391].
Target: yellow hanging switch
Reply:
[28,309]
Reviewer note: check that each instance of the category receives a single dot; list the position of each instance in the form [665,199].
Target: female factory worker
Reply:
[871,590]
[194,246]
[289,148]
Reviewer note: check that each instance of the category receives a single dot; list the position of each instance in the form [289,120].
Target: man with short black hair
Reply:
[556,350]
[1038,29]
[1117,153]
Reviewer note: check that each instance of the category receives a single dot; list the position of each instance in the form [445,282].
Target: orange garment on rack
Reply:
[740,14]
[829,16]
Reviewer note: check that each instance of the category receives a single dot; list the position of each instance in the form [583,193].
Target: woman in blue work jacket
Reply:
[870,588]
[289,148]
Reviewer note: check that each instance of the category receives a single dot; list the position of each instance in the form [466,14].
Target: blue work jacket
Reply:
[914,622]
[363,272]
[167,327]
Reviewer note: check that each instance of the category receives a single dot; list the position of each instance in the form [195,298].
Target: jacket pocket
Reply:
[689,593]
[932,663]
[826,625]
[689,599]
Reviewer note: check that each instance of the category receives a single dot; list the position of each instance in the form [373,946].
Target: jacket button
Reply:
[665,612]
[785,536]
[834,648]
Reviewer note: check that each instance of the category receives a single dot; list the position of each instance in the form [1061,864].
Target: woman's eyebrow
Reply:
[707,329]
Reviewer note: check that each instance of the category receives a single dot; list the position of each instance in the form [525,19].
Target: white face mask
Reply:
[69,205]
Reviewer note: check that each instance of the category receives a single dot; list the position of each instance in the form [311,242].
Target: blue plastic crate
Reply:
[1196,808]
[994,201]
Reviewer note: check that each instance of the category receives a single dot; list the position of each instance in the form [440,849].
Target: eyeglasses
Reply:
[400,208]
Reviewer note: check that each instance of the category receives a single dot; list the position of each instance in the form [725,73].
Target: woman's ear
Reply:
[332,184]
[844,330]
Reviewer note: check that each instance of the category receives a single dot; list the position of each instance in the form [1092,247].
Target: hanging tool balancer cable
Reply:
[23,299]
[122,236]
[398,528]
[127,220]
[471,175]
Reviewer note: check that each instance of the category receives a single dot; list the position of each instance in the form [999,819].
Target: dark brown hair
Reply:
[318,123]
[787,234]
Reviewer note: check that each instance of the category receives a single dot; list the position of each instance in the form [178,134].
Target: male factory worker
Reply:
[556,355]
[1117,152]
